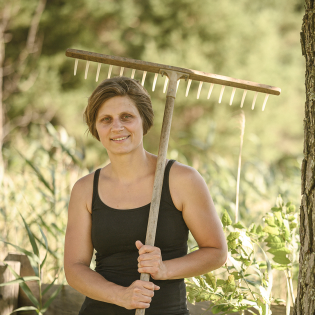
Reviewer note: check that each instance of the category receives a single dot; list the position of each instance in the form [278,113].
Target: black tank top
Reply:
[114,233]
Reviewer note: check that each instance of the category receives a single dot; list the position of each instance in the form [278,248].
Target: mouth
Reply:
[121,139]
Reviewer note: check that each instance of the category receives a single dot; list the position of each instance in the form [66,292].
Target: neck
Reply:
[128,168]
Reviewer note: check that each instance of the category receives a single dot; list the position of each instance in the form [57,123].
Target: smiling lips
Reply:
[120,139]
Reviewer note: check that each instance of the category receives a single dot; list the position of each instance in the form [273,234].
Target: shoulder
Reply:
[181,171]
[185,182]
[82,190]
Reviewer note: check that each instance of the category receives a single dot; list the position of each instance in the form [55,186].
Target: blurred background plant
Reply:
[43,142]
[246,280]
[37,264]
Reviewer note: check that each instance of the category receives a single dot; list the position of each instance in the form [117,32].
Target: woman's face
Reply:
[119,125]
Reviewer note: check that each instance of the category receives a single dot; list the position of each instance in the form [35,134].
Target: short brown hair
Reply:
[119,86]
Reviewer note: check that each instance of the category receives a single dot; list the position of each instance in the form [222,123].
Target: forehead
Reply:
[116,105]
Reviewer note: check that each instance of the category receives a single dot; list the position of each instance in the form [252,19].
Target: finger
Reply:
[147,293]
[150,256]
[148,249]
[139,244]
[149,285]
[143,305]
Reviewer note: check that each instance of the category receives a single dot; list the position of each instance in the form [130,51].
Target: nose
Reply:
[117,125]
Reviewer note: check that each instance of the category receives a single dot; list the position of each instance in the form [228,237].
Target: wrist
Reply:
[118,295]
[166,273]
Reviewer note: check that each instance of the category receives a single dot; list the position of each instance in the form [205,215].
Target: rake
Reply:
[173,76]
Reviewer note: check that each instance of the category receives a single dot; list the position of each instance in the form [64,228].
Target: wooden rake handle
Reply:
[160,165]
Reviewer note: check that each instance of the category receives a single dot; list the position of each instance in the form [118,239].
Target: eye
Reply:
[126,116]
[106,119]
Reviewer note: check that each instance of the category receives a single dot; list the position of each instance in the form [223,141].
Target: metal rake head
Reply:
[188,74]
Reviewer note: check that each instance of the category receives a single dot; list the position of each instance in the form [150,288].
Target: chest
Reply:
[124,197]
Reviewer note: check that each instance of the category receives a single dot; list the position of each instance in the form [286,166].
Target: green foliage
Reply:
[226,220]
[246,281]
[37,265]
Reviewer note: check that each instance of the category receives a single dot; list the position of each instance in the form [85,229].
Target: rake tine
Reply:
[210,90]
[221,93]
[154,81]
[177,85]
[133,73]
[143,77]
[109,71]
[232,96]
[188,87]
[76,66]
[98,71]
[86,69]
[165,84]
[121,71]
[243,98]
[199,89]
[254,100]
[265,102]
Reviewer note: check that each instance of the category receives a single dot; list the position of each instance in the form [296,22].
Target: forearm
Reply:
[93,285]
[196,263]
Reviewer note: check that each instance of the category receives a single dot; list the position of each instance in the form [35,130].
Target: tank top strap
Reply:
[166,194]
[95,186]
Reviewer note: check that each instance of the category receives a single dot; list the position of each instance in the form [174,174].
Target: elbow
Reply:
[224,254]
[67,274]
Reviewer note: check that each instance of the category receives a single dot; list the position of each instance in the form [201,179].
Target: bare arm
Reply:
[78,254]
[202,220]
[79,250]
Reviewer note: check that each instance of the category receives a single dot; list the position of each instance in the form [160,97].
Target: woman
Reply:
[109,211]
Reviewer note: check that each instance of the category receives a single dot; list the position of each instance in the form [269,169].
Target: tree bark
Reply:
[305,300]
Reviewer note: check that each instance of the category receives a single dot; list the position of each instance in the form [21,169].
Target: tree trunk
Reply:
[305,300]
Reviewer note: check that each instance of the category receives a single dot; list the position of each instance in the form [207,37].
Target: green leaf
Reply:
[271,230]
[273,239]
[37,171]
[231,245]
[279,220]
[252,228]
[53,296]
[270,220]
[25,288]
[293,225]
[259,230]
[291,209]
[46,245]
[275,209]
[280,251]
[233,236]
[49,286]
[24,251]
[291,218]
[226,220]
[279,301]
[31,237]
[19,280]
[211,279]
[286,234]
[25,308]
[238,225]
[281,259]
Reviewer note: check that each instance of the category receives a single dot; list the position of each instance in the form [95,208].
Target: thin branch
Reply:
[31,46]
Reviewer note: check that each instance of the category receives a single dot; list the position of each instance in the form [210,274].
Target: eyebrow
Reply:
[122,113]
